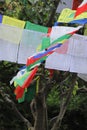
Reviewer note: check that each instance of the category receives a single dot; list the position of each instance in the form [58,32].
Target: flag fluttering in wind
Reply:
[81,8]
[19,91]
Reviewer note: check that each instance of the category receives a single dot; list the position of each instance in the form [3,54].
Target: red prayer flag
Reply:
[19,91]
[76,3]
[81,9]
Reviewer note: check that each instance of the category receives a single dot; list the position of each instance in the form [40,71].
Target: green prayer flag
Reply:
[61,39]
[37,62]
[45,43]
[29,94]
[35,27]
[20,81]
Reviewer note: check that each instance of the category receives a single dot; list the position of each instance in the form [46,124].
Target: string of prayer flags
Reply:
[74,59]
[81,8]
[65,62]
[13,22]
[19,91]
[31,60]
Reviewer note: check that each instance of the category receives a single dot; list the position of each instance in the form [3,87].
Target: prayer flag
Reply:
[76,3]
[35,27]
[81,8]
[67,16]
[83,76]
[1,17]
[13,22]
[8,51]
[64,4]
[30,40]
[59,31]
[10,34]
[19,91]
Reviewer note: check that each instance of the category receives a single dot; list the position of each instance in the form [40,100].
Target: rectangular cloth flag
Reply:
[67,15]
[10,34]
[29,44]
[76,3]
[81,8]
[9,42]
[66,62]
[64,4]
[77,46]
[8,51]
[36,27]
[13,22]
[58,31]
[83,76]
[75,59]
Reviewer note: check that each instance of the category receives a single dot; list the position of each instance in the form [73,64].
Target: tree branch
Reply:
[9,101]
[64,104]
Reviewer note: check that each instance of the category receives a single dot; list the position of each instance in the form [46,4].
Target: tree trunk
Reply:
[41,113]
[64,105]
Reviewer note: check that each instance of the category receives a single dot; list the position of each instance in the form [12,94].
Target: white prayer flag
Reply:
[8,51]
[58,31]
[77,46]
[11,34]
[29,43]
[83,76]
[58,62]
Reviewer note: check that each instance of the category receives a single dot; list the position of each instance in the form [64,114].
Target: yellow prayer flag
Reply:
[13,22]
[67,15]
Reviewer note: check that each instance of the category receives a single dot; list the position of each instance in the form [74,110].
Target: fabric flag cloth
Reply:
[1,17]
[58,31]
[74,59]
[65,37]
[67,16]
[83,76]
[31,60]
[19,91]
[29,95]
[13,22]
[64,4]
[8,51]
[81,8]
[65,62]
[76,3]
[29,42]
[80,21]
[77,46]
[10,34]
[35,27]
[9,42]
